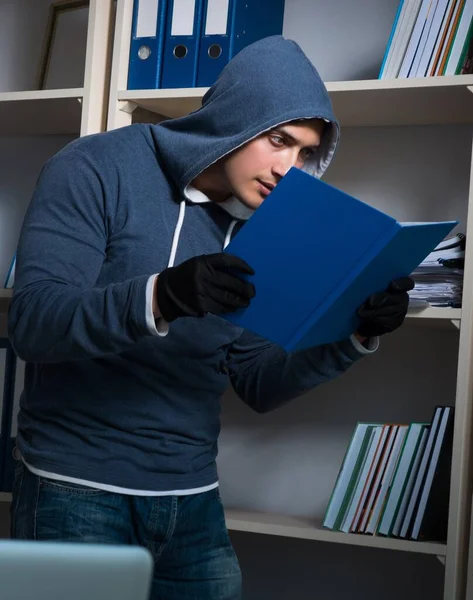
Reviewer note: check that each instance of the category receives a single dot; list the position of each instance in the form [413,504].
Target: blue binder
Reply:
[181,43]
[6,456]
[318,253]
[146,47]
[228,26]
[17,385]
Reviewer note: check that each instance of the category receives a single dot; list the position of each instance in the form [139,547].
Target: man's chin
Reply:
[252,202]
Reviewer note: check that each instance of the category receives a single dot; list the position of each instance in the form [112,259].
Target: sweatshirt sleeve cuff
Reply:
[373,344]
[159,326]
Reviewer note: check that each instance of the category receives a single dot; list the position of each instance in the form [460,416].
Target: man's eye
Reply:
[308,152]
[277,139]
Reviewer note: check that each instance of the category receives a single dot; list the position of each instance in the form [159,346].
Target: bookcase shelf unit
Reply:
[372,103]
[311,529]
[72,111]
[67,111]
[360,103]
[41,112]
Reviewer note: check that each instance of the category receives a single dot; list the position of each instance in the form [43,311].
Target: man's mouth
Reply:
[266,187]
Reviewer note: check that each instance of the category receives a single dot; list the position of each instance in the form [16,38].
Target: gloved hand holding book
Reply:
[384,312]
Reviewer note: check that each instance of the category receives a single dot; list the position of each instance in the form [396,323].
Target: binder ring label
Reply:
[144,52]
[180,51]
[215,51]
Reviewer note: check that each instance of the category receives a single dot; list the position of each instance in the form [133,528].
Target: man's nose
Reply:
[286,162]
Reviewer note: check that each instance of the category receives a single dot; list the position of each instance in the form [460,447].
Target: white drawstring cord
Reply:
[228,237]
[177,233]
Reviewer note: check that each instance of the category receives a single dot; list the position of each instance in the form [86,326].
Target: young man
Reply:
[120,281]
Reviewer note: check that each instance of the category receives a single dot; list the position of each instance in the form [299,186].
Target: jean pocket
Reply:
[69,488]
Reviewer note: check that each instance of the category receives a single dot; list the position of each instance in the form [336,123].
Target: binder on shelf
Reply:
[438,22]
[318,254]
[442,37]
[406,526]
[181,43]
[357,447]
[401,42]
[454,64]
[7,375]
[16,390]
[415,38]
[408,486]
[449,38]
[228,26]
[397,26]
[426,32]
[412,443]
[431,518]
[146,47]
[10,278]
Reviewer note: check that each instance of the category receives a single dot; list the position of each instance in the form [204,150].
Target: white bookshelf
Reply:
[48,114]
[41,112]
[57,112]
[356,103]
[311,529]
[66,111]
[361,103]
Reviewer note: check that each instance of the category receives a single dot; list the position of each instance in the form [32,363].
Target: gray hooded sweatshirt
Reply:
[107,399]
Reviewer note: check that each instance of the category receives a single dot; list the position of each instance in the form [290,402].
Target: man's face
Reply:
[252,171]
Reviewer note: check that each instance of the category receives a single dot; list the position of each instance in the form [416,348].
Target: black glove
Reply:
[385,311]
[204,284]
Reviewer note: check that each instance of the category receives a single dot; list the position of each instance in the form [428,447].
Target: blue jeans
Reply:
[187,535]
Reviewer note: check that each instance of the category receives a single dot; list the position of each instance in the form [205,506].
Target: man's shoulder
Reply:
[125,140]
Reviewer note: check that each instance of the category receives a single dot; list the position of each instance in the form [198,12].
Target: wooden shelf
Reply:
[171,103]
[418,101]
[297,527]
[41,112]
[444,314]
[307,529]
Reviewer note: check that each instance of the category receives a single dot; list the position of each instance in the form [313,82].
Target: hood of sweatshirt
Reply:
[269,83]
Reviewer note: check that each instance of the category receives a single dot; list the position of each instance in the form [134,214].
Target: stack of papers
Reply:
[439,278]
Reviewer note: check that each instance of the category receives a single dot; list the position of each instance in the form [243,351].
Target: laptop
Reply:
[40,570]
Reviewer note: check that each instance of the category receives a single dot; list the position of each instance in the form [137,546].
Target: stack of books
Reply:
[430,38]
[395,480]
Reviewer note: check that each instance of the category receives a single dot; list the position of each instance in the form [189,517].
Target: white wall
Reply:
[22,30]
[344,39]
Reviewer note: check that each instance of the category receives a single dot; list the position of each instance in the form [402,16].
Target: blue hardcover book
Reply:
[181,43]
[228,26]
[318,253]
[146,46]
